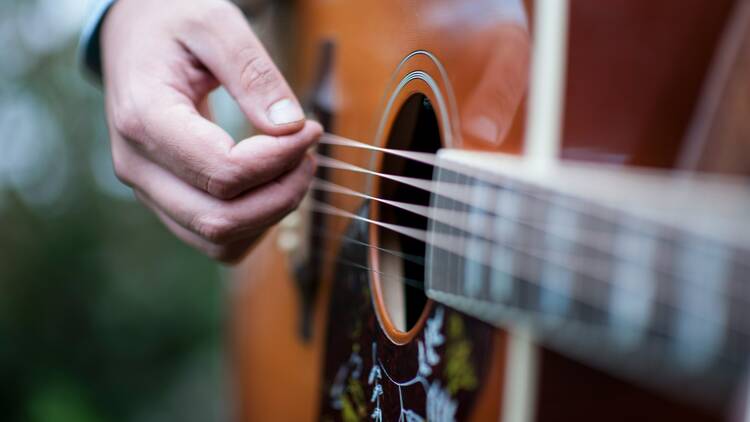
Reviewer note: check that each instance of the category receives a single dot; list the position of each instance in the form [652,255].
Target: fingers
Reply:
[160,64]
[224,42]
[153,102]
[225,222]
[230,253]
[202,154]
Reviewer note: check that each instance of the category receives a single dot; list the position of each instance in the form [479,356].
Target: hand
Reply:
[161,59]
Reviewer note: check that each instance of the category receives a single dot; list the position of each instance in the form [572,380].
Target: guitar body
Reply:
[323,324]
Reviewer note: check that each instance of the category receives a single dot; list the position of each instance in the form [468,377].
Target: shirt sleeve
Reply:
[89,49]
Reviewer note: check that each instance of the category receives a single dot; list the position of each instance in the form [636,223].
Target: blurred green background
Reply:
[104,316]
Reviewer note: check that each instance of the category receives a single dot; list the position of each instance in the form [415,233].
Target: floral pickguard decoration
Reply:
[347,393]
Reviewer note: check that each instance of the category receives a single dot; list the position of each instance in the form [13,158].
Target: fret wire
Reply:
[423,237]
[460,264]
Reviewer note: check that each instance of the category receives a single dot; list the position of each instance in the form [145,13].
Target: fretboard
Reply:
[627,269]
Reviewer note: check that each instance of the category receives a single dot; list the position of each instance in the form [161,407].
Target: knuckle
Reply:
[299,197]
[292,200]
[257,71]
[128,122]
[224,183]
[122,174]
[215,227]
[121,167]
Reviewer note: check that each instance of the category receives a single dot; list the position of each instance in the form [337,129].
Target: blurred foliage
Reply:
[104,316]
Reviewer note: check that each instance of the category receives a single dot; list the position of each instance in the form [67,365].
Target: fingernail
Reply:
[284,112]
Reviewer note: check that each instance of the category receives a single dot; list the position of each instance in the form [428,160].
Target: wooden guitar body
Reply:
[329,320]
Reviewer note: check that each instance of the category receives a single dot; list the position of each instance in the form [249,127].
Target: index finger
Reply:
[224,42]
[201,153]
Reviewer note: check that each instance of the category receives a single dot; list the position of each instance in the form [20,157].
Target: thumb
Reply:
[226,45]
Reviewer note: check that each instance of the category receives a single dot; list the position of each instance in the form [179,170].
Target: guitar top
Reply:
[524,210]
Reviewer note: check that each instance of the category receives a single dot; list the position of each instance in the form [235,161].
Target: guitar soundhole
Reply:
[402,258]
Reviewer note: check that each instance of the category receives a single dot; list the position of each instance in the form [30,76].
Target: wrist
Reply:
[89,47]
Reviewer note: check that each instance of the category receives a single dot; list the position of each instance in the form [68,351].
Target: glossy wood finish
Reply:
[625,103]
[636,70]
[370,39]
[277,378]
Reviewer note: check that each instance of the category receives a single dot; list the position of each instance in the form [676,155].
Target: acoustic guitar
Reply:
[523,211]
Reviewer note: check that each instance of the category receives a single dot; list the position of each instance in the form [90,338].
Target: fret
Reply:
[451,260]
[527,237]
[634,286]
[488,229]
[661,328]
[502,280]
[436,261]
[737,342]
[602,255]
[459,262]
[557,282]
[701,332]
[475,274]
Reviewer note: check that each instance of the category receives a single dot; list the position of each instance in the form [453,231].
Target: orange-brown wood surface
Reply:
[484,48]
[620,103]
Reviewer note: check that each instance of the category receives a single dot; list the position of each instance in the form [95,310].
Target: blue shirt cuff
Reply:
[89,49]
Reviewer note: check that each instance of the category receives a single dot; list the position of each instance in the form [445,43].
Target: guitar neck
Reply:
[593,256]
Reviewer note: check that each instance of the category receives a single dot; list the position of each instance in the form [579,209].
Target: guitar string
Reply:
[423,157]
[331,235]
[454,191]
[657,267]
[662,331]
[527,275]
[408,281]
[454,245]
[467,222]
[660,327]
[458,192]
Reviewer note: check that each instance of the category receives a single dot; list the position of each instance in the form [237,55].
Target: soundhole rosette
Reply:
[415,119]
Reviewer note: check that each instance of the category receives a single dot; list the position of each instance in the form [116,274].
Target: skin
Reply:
[161,59]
